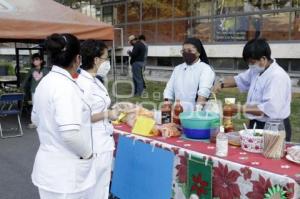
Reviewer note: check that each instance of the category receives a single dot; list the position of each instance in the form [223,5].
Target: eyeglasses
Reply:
[188,51]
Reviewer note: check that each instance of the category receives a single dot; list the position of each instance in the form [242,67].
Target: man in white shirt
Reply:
[267,84]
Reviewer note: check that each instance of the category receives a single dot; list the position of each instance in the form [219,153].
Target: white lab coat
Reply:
[271,92]
[103,143]
[59,106]
[188,81]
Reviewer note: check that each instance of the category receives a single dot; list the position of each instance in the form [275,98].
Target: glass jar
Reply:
[274,139]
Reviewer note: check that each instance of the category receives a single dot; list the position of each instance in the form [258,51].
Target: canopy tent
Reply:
[33,20]
[36,19]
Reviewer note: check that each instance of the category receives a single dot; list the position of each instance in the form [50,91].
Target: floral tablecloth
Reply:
[240,175]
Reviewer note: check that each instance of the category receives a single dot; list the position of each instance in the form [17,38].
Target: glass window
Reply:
[117,35]
[295,65]
[177,60]
[149,30]
[295,26]
[164,9]
[201,7]
[132,30]
[133,11]
[202,29]
[225,29]
[224,7]
[107,14]
[241,64]
[119,15]
[164,32]
[222,63]
[295,3]
[247,27]
[248,6]
[284,63]
[182,8]
[276,26]
[275,4]
[182,29]
[164,61]
[149,10]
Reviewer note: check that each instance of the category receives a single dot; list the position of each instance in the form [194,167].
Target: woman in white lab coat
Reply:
[95,62]
[63,164]
[192,80]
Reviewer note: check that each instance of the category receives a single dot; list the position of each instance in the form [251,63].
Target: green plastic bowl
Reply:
[199,120]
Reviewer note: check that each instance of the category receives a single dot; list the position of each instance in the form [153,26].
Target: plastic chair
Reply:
[11,104]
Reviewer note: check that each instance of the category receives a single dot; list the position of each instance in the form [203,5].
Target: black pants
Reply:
[137,76]
[286,123]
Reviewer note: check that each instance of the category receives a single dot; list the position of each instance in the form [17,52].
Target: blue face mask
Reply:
[256,68]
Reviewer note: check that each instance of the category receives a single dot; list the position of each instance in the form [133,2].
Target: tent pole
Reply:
[17,69]
[114,70]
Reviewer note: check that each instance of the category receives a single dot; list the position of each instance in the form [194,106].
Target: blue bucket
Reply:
[197,133]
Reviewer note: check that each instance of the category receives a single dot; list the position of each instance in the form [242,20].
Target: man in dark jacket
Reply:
[137,63]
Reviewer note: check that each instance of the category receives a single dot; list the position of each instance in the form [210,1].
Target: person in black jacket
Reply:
[137,62]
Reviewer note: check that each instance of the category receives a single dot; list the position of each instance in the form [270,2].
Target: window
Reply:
[133,11]
[182,29]
[295,65]
[164,9]
[149,10]
[224,7]
[276,26]
[241,64]
[201,7]
[107,14]
[182,8]
[119,13]
[275,4]
[202,29]
[225,29]
[295,25]
[284,63]
[164,61]
[164,32]
[149,30]
[247,27]
[222,63]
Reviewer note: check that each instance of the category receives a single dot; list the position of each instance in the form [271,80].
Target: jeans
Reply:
[137,76]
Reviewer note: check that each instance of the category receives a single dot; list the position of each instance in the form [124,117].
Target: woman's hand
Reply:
[113,114]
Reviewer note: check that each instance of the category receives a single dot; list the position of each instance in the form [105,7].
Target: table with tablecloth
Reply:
[240,175]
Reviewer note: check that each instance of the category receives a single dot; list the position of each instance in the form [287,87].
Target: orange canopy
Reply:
[36,19]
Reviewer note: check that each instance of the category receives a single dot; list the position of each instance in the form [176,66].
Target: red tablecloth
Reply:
[237,159]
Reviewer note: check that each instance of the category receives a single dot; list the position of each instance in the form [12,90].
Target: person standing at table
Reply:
[137,62]
[142,38]
[34,76]
[192,80]
[63,163]
[94,62]
[267,84]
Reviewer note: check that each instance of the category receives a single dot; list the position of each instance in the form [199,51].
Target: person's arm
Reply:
[227,82]
[110,115]
[68,114]
[74,140]
[169,92]
[206,82]
[249,109]
[135,51]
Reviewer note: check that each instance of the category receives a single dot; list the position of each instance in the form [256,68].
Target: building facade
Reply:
[223,26]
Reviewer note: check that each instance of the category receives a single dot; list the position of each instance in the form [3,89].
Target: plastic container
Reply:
[251,142]
[197,133]
[199,120]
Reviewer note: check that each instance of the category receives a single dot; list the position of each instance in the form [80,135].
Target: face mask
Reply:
[103,69]
[256,68]
[189,58]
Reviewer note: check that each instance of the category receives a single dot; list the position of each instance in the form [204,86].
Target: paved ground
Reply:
[16,160]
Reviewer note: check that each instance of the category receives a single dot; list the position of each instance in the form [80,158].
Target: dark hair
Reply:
[35,56]
[198,44]
[142,37]
[256,49]
[63,48]
[89,50]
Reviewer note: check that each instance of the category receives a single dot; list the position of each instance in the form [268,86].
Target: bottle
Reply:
[222,143]
[177,110]
[228,113]
[166,112]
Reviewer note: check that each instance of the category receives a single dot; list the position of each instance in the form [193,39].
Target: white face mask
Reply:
[103,69]
[256,68]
